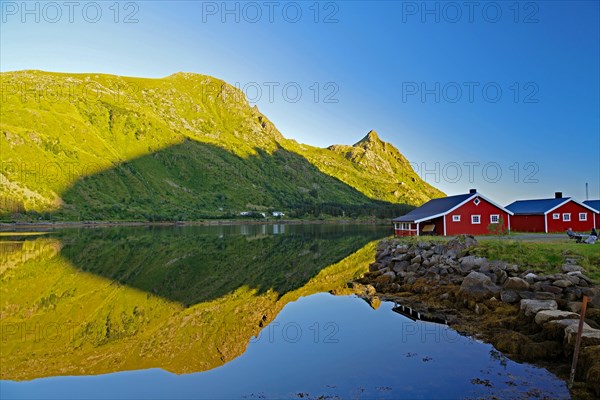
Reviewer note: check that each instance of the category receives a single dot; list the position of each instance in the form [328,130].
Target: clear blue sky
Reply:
[425,76]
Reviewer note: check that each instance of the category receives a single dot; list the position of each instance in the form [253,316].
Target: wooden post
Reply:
[578,341]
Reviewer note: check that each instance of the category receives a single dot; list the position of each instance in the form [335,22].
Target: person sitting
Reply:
[573,235]
[592,238]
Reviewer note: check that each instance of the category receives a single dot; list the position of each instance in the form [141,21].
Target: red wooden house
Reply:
[469,213]
[552,215]
[595,204]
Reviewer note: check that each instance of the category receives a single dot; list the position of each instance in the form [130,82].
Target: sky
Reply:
[501,96]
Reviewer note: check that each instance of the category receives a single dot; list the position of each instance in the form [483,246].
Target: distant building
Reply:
[246,213]
[595,204]
[278,214]
[469,213]
[552,215]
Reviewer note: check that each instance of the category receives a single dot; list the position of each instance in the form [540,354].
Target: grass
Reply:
[547,257]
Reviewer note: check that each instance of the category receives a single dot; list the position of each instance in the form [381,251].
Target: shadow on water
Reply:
[185,299]
[190,265]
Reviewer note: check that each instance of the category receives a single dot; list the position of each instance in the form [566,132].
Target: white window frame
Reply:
[405,226]
[584,215]
[476,201]
[473,217]
[566,217]
[456,218]
[497,221]
[556,216]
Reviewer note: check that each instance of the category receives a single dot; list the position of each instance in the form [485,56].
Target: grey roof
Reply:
[595,204]
[535,207]
[434,207]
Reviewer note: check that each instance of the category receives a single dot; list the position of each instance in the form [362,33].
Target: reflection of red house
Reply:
[552,215]
[469,213]
[595,204]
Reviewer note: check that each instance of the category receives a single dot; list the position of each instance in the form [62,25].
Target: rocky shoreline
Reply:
[528,316]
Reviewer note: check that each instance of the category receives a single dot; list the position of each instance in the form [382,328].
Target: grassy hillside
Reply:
[184,302]
[91,146]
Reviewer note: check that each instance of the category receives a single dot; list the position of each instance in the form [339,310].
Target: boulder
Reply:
[562,283]
[594,296]
[509,296]
[589,336]
[574,306]
[416,260]
[572,268]
[478,286]
[550,315]
[517,284]
[531,306]
[550,289]
[530,277]
[469,263]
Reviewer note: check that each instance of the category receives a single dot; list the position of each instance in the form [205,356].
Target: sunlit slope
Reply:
[62,316]
[183,147]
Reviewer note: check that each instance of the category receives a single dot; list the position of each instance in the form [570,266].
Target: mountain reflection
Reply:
[186,299]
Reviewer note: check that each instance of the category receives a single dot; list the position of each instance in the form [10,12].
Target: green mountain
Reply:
[185,147]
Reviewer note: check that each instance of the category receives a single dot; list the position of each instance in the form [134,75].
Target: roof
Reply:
[595,204]
[536,207]
[439,207]
[542,206]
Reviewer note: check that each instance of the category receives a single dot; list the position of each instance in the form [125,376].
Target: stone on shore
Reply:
[478,286]
[549,315]
[517,284]
[531,307]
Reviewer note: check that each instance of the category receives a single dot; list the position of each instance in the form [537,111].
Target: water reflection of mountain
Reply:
[183,299]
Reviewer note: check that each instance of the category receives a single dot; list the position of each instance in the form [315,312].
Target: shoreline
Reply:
[20,226]
[526,316]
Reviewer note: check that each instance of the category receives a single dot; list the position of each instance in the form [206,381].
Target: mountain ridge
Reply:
[115,132]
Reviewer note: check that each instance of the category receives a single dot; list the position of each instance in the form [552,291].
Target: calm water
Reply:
[226,312]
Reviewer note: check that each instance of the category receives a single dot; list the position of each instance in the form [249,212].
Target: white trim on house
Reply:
[492,218]
[473,216]
[567,199]
[462,204]
[445,224]
[566,215]
[456,218]
[546,223]
[584,215]
[555,215]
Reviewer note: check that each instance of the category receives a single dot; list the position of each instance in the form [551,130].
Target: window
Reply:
[475,219]
[405,227]
[556,216]
[583,216]
[477,201]
[456,218]
[566,217]
[494,218]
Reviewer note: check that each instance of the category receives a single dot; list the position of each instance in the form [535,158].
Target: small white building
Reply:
[278,214]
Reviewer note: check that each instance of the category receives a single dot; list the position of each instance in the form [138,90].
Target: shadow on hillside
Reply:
[194,180]
[190,265]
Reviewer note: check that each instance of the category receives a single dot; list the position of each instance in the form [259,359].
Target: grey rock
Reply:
[589,336]
[526,294]
[501,276]
[562,283]
[517,284]
[549,315]
[574,306]
[572,268]
[544,296]
[544,287]
[478,286]
[416,259]
[532,307]
[509,296]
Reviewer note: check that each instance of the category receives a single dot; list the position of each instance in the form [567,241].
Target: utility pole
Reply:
[587,197]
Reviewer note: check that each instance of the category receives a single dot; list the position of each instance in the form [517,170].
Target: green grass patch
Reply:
[542,257]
